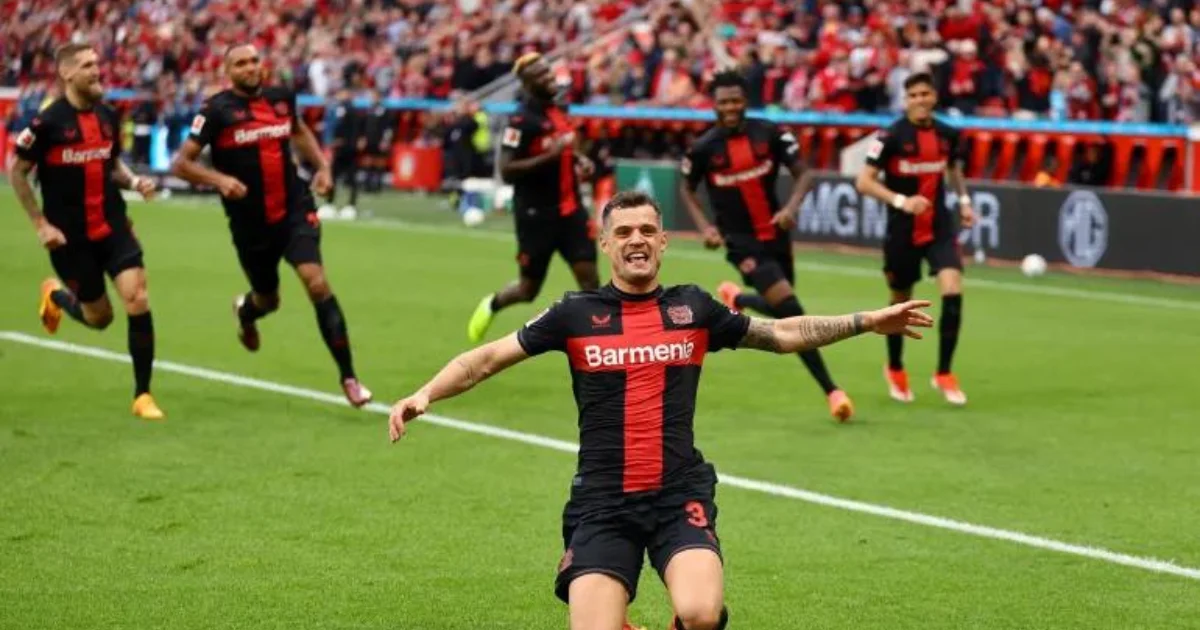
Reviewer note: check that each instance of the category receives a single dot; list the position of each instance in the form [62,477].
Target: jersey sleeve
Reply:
[204,126]
[881,148]
[114,118]
[545,332]
[295,111]
[33,140]
[517,136]
[694,166]
[726,328]
[958,148]
[784,147]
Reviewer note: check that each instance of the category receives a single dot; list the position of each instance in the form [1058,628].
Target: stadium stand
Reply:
[1117,60]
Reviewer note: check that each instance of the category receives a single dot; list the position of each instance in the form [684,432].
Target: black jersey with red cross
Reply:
[913,160]
[75,151]
[552,189]
[635,368]
[250,138]
[739,168]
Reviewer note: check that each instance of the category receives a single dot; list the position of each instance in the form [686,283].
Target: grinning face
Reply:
[633,239]
[81,75]
[243,66]
[919,101]
[730,105]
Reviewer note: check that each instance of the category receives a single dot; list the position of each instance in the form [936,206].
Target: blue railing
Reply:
[778,116]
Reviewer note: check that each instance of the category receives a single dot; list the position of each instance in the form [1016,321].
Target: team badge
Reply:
[198,124]
[685,166]
[680,315]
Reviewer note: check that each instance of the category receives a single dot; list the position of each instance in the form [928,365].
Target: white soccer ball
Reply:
[473,216]
[326,212]
[348,213]
[1033,265]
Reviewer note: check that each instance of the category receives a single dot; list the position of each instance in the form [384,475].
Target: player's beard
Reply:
[89,91]
[248,87]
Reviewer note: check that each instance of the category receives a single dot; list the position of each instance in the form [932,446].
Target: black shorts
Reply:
[344,164]
[902,259]
[761,263]
[612,540]
[572,237]
[296,239]
[81,264]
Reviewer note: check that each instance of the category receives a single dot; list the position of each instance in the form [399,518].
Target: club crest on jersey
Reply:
[25,139]
[512,137]
[680,315]
[198,123]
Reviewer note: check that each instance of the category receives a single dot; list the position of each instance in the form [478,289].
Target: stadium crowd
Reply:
[1122,60]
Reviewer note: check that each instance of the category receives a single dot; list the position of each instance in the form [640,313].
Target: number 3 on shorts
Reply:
[696,516]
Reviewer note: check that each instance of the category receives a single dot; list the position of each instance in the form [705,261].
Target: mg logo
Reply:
[1083,228]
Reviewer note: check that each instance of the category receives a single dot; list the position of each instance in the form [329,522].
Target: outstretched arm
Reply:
[461,374]
[807,332]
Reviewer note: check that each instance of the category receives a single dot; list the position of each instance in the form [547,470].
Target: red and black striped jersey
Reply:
[251,141]
[739,168]
[913,161]
[75,152]
[635,368]
[551,190]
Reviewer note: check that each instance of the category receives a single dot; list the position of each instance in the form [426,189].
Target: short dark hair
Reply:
[627,199]
[729,77]
[67,52]
[920,78]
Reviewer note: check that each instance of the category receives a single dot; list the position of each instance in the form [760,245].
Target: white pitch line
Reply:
[765,487]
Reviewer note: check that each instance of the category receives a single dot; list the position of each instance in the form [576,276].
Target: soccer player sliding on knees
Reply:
[635,350]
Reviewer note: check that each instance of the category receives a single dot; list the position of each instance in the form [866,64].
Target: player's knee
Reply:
[138,302]
[99,318]
[701,615]
[317,287]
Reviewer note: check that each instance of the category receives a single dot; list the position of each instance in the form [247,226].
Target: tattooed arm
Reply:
[797,334]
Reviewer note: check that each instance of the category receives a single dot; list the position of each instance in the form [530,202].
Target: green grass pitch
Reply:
[253,509]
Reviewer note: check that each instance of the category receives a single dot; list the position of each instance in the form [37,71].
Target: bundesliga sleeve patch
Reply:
[685,166]
[512,137]
[198,124]
[789,140]
[26,138]
[875,149]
